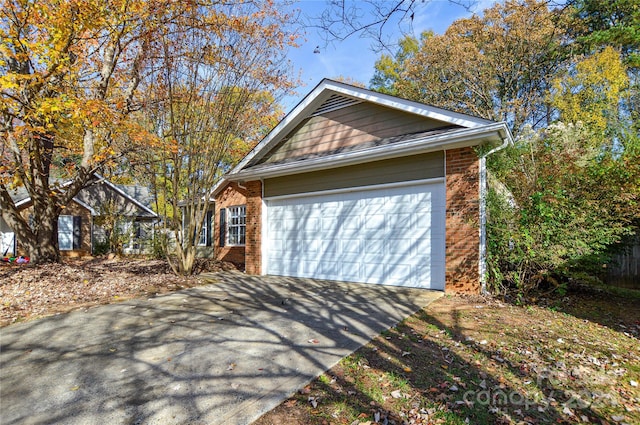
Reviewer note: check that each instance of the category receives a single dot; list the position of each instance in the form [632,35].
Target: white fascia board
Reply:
[28,198]
[134,200]
[293,118]
[450,140]
[82,204]
[328,87]
[23,201]
[218,188]
[409,106]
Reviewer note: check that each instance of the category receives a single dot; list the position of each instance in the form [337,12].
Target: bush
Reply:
[564,201]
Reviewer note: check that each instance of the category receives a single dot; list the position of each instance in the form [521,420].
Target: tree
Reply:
[600,23]
[570,201]
[592,92]
[389,69]
[212,100]
[575,185]
[70,79]
[498,66]
[371,18]
[596,24]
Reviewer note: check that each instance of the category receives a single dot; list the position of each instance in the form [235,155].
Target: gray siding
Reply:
[416,167]
[358,124]
[106,201]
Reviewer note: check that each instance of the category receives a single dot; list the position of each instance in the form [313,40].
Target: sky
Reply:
[354,58]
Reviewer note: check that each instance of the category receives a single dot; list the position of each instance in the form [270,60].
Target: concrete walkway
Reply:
[224,353]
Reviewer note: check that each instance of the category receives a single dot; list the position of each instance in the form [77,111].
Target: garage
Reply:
[386,234]
[359,186]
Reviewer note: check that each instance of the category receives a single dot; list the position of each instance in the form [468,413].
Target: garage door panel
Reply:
[276,245]
[330,247]
[350,270]
[374,248]
[400,247]
[399,272]
[389,236]
[373,272]
[308,268]
[350,246]
[375,221]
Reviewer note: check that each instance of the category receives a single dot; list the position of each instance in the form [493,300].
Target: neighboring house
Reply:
[81,225]
[355,185]
[204,244]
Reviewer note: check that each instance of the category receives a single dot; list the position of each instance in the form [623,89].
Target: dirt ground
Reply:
[27,291]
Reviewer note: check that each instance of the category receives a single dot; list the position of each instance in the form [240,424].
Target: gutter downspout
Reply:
[482,264]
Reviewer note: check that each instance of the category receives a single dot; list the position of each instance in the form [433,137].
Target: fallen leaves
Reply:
[505,364]
[35,291]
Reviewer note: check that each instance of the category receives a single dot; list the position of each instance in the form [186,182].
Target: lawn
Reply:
[475,360]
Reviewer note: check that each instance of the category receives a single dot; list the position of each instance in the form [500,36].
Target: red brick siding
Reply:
[253,253]
[463,221]
[231,196]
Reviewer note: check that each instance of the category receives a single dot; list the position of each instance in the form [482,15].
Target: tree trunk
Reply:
[45,250]
[38,237]
[187,260]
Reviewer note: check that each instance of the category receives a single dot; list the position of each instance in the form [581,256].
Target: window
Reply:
[236,227]
[202,241]
[205,233]
[65,232]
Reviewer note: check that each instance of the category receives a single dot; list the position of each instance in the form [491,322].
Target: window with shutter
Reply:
[65,232]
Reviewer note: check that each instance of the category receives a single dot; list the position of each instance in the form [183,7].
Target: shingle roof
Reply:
[361,146]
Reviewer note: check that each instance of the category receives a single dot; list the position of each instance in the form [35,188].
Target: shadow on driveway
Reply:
[224,353]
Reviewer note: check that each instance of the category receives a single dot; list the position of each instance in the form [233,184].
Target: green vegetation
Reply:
[469,360]
[566,82]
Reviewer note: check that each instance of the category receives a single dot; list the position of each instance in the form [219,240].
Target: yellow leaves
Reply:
[9,82]
[591,93]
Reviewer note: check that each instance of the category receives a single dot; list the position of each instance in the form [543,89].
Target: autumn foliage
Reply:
[565,80]
[78,77]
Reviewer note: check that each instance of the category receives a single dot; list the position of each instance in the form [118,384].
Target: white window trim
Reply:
[228,225]
[203,232]
[71,234]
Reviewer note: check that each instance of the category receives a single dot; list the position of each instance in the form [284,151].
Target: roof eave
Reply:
[460,138]
[325,88]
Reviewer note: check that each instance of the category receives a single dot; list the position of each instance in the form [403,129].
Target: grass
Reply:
[468,360]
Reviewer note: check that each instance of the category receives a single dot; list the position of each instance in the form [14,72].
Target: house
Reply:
[355,185]
[204,243]
[85,224]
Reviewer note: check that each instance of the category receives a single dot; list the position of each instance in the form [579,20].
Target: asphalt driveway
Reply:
[224,353]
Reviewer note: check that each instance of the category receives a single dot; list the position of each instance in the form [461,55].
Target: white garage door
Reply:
[391,236]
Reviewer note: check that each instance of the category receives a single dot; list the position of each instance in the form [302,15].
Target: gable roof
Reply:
[21,196]
[330,95]
[456,130]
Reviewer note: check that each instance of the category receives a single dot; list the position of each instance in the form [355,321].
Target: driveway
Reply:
[223,353]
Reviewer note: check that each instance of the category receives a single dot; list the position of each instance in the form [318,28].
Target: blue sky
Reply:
[354,58]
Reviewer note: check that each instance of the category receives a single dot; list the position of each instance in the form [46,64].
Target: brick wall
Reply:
[253,253]
[463,221]
[232,195]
